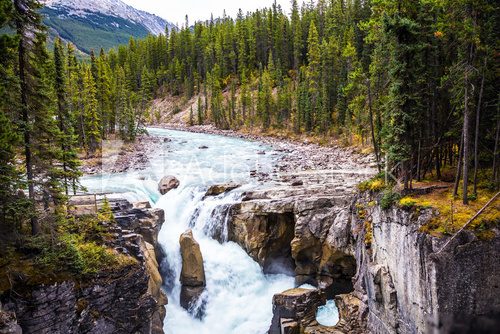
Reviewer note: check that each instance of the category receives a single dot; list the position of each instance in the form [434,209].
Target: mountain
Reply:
[95,24]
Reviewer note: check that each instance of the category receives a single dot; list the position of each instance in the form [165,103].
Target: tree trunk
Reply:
[418,161]
[35,224]
[495,152]
[476,139]
[465,194]
[459,166]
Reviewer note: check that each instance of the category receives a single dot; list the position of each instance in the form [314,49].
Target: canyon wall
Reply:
[128,300]
[388,276]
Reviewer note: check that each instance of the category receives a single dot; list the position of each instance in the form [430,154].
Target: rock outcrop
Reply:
[391,277]
[408,284]
[294,310]
[265,230]
[125,300]
[167,183]
[218,189]
[302,230]
[192,274]
[401,279]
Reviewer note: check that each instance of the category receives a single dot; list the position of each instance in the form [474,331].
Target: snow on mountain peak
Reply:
[117,8]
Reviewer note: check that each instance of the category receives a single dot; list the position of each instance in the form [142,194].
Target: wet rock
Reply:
[193,271]
[265,231]
[192,274]
[142,205]
[191,300]
[295,310]
[297,183]
[218,189]
[167,183]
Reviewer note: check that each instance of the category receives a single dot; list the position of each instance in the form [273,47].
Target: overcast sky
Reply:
[176,10]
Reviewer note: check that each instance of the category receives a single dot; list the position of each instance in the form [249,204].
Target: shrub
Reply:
[368,233]
[95,257]
[375,184]
[388,199]
[407,202]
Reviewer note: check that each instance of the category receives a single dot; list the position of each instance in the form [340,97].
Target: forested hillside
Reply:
[413,79]
[416,79]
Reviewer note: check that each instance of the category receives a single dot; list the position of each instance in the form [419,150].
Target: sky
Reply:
[175,10]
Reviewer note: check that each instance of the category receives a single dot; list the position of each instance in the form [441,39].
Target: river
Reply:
[238,295]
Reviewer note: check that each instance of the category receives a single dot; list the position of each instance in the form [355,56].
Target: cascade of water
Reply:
[238,296]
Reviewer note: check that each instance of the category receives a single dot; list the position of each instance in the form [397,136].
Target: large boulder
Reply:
[192,275]
[193,272]
[167,183]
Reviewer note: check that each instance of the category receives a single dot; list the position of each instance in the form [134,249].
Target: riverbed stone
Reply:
[168,183]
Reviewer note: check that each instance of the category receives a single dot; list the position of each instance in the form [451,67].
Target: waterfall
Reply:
[238,296]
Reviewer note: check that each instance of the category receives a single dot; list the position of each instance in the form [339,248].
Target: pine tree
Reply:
[69,155]
[313,75]
[91,114]
[14,208]
[38,124]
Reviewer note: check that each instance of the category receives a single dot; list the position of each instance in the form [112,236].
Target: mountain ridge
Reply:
[95,24]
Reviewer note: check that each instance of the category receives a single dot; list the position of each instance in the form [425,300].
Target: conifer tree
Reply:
[69,155]
[92,127]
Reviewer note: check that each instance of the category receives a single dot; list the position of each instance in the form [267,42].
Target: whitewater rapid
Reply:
[238,295]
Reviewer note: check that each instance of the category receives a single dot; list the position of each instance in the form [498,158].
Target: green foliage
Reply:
[79,246]
[407,203]
[389,197]
[375,184]
[71,254]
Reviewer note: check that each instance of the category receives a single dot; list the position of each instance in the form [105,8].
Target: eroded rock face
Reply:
[192,274]
[265,231]
[105,305]
[390,275]
[167,183]
[307,236]
[294,310]
[407,286]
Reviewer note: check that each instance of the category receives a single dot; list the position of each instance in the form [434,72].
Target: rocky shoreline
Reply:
[120,157]
[296,156]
